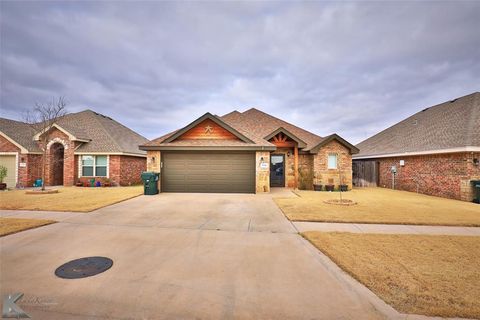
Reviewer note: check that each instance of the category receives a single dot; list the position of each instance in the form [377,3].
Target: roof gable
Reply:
[70,136]
[260,125]
[335,137]
[300,143]
[98,134]
[193,131]
[253,128]
[20,134]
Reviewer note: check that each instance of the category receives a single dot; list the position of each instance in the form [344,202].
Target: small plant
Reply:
[3,173]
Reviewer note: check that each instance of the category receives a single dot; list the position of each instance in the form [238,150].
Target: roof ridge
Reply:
[231,112]
[22,122]
[269,115]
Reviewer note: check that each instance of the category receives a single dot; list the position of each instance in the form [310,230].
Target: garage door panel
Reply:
[10,162]
[208,172]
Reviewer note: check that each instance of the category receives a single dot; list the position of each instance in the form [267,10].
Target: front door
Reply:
[277,170]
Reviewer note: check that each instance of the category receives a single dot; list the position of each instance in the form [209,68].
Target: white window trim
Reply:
[80,167]
[328,161]
[16,163]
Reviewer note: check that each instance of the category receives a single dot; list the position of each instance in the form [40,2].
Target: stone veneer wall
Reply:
[262,175]
[344,165]
[442,175]
[154,159]
[305,168]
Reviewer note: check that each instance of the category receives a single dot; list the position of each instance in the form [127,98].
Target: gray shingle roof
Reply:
[452,124]
[20,132]
[256,126]
[103,133]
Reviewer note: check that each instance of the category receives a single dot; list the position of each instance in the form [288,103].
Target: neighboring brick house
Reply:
[81,146]
[247,152]
[436,151]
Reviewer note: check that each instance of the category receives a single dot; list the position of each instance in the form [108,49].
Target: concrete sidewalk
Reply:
[386,228]
[48,215]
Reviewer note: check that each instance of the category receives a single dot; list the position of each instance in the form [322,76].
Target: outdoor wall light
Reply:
[475,161]
[153,159]
[288,154]
[261,159]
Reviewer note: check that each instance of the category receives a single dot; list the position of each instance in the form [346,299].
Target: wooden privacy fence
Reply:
[365,173]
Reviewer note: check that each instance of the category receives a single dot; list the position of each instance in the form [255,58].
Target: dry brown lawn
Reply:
[378,205]
[68,199]
[14,225]
[420,274]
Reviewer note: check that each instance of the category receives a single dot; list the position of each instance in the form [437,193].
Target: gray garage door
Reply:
[208,172]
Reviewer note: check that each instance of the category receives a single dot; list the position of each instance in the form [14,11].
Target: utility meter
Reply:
[393,169]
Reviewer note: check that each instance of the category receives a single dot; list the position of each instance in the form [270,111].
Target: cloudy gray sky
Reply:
[352,68]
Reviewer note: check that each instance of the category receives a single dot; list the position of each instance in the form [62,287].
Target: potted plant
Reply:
[317,182]
[79,183]
[3,174]
[330,186]
[106,182]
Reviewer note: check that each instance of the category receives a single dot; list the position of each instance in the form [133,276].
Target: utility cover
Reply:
[83,267]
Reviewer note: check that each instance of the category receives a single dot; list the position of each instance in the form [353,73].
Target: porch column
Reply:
[295,152]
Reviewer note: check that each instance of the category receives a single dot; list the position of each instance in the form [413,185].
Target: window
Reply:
[332,161]
[94,166]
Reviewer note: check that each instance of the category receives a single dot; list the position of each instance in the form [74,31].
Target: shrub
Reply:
[3,173]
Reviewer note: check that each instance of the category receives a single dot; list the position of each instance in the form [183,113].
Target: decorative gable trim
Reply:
[301,144]
[71,137]
[337,138]
[215,119]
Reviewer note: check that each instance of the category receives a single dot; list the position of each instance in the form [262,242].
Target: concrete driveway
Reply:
[180,256]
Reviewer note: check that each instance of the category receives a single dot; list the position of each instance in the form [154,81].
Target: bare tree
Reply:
[42,118]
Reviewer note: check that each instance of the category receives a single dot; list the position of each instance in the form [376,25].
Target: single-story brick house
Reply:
[247,152]
[436,151]
[82,146]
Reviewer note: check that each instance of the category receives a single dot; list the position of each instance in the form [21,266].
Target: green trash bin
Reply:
[476,185]
[150,183]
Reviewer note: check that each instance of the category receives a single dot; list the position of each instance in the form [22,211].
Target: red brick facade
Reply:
[443,175]
[123,170]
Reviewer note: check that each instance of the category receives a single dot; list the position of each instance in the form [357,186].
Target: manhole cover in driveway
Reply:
[83,267]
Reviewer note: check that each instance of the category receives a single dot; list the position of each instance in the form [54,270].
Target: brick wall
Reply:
[130,170]
[7,146]
[122,171]
[33,170]
[114,169]
[341,175]
[443,175]
[57,136]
